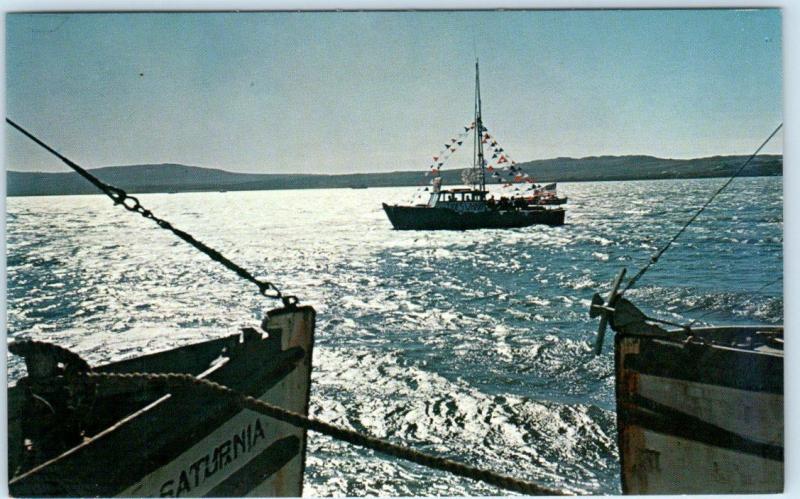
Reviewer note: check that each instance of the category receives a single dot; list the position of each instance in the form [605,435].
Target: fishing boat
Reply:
[545,198]
[67,439]
[549,200]
[473,207]
[699,409]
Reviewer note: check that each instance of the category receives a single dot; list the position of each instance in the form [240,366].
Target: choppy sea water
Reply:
[473,345]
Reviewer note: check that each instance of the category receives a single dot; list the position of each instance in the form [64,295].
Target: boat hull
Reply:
[552,201]
[427,218]
[188,443]
[698,418]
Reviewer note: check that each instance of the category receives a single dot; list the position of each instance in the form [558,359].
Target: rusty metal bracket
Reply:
[597,308]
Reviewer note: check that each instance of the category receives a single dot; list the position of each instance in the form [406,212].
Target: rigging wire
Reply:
[704,305]
[657,255]
[765,286]
[131,203]
[702,316]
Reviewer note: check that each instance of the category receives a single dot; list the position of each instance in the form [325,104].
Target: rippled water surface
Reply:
[473,345]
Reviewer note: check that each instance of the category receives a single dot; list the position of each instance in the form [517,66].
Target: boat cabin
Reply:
[449,198]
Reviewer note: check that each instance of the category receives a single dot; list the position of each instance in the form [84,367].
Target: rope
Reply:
[657,255]
[131,203]
[183,381]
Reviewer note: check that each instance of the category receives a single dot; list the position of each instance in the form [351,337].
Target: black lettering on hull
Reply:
[263,466]
[240,443]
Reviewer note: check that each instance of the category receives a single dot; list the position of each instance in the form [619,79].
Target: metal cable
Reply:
[697,319]
[765,286]
[657,255]
[131,203]
[187,381]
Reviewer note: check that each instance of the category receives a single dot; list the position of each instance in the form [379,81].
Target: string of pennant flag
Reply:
[500,164]
[448,149]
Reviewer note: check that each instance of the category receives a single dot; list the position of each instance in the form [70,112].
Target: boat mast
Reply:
[478,161]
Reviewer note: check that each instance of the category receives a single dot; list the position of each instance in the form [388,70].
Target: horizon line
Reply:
[9,170]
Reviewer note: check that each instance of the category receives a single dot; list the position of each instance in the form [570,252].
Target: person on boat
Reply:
[437,184]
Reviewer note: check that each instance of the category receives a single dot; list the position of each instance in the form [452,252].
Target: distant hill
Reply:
[182,178]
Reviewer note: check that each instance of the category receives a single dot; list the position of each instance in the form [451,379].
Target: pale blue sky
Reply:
[361,92]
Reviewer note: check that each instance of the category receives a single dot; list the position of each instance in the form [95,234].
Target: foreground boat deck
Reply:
[151,443]
[701,415]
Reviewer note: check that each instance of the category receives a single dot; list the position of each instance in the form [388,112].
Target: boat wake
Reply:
[387,396]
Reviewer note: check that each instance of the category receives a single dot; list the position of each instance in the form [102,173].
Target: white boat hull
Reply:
[686,426]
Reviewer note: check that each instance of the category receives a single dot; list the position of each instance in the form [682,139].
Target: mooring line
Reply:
[657,255]
[187,381]
[131,203]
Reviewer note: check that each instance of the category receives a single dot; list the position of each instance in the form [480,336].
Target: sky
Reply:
[383,91]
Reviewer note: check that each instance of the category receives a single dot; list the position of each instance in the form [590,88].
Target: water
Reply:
[472,345]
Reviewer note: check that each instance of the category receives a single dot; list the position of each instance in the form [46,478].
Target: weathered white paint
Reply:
[670,465]
[754,415]
[290,393]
